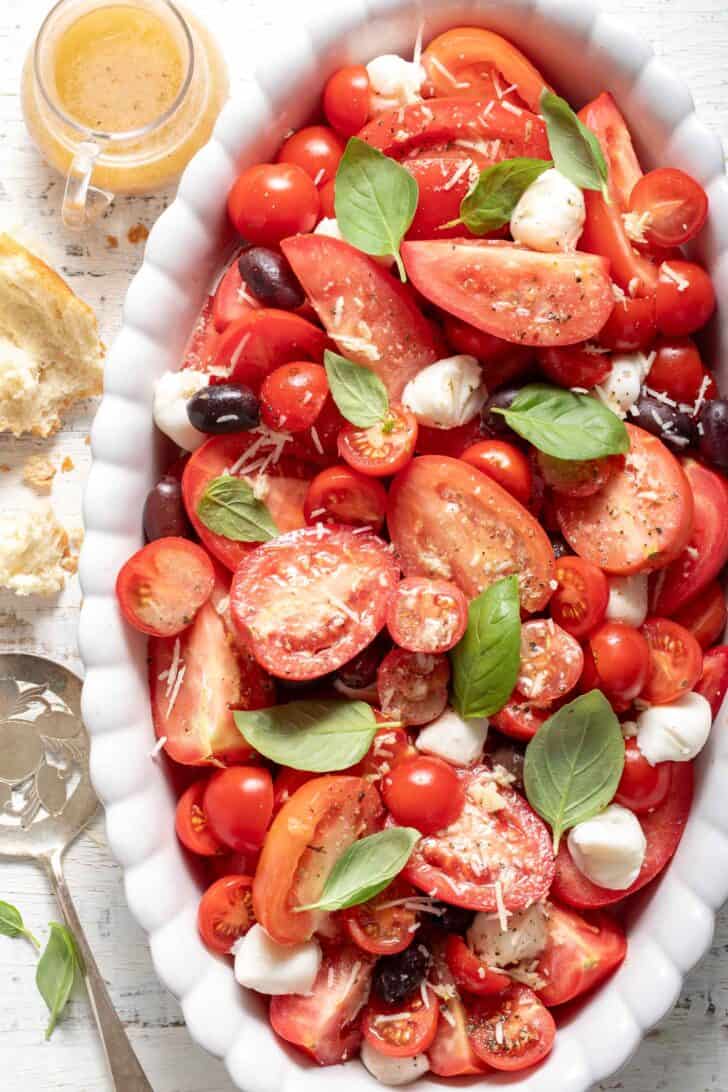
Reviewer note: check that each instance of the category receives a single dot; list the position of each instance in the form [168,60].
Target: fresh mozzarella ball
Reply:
[525,937]
[263,965]
[550,214]
[676,731]
[393,1071]
[621,389]
[394,79]
[172,392]
[610,848]
[448,393]
[458,741]
[627,599]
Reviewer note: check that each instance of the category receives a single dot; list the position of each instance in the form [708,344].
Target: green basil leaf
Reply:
[12,924]
[229,507]
[574,763]
[486,660]
[574,148]
[489,204]
[566,425]
[318,736]
[375,201]
[359,394]
[366,868]
[56,972]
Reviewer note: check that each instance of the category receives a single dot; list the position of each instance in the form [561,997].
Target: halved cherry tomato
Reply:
[514,848]
[676,661]
[162,586]
[306,838]
[551,662]
[622,660]
[192,824]
[423,792]
[518,719]
[333,604]
[471,62]
[324,1022]
[231,301]
[663,828]
[677,369]
[579,603]
[292,396]
[451,1054]
[511,1030]
[226,913]
[383,925]
[713,683]
[685,298]
[631,325]
[201,348]
[447,441]
[341,495]
[642,518]
[286,782]
[576,477]
[426,615]
[270,201]
[505,464]
[390,746]
[381,449]
[705,616]
[239,804]
[412,1033]
[575,365]
[642,786]
[317,150]
[437,503]
[412,686]
[257,344]
[346,99]
[443,180]
[580,952]
[674,205]
[469,972]
[591,680]
[371,316]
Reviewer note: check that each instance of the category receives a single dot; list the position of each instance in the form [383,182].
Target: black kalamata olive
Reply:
[675,428]
[494,424]
[164,511]
[227,407]
[713,432]
[397,976]
[561,546]
[362,669]
[451,919]
[270,278]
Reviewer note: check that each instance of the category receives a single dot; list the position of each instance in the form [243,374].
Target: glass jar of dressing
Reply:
[119,97]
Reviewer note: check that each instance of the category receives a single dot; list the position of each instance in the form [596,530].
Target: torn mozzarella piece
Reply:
[628,599]
[524,939]
[610,848]
[448,393]
[172,392]
[393,1071]
[621,389]
[262,964]
[676,731]
[395,81]
[550,214]
[460,742]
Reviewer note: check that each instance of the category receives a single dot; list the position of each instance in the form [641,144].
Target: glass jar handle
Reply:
[82,202]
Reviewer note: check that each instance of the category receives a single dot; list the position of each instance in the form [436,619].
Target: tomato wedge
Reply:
[305,839]
[438,504]
[604,119]
[462,864]
[231,301]
[403,1029]
[579,953]
[676,661]
[370,315]
[706,615]
[713,682]
[514,293]
[470,62]
[162,586]
[262,340]
[451,1053]
[443,180]
[551,662]
[469,972]
[663,830]
[643,517]
[200,350]
[511,1030]
[412,686]
[383,925]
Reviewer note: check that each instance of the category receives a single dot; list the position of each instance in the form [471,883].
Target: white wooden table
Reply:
[688,1053]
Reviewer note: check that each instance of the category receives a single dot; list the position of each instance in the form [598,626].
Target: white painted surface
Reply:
[688,1053]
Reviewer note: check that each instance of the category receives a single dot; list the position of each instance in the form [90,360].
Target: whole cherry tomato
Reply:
[293,396]
[642,787]
[239,806]
[678,371]
[424,792]
[505,464]
[622,660]
[631,325]
[270,201]
[346,99]
[685,298]
[317,149]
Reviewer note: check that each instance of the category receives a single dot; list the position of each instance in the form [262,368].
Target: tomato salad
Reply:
[432,589]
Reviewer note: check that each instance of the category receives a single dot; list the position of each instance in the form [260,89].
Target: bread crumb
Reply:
[67,464]
[112,242]
[137,234]
[39,472]
[35,552]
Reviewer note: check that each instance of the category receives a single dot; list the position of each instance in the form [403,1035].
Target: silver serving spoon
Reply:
[46,800]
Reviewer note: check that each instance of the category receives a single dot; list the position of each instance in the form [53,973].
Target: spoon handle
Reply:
[126,1073]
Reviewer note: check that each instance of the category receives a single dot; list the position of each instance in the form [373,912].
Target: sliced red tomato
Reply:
[673,204]
[576,477]
[643,517]
[447,520]
[403,1029]
[514,293]
[663,829]
[306,602]
[469,972]
[192,825]
[451,1053]
[443,180]
[305,840]
[642,786]
[384,925]
[676,661]
[232,301]
[511,1030]
[580,953]
[426,615]
[706,551]
[381,449]
[226,913]
[341,495]
[369,314]
[606,122]
[469,62]
[551,662]
[631,325]
[324,1023]
[257,344]
[162,586]
[705,616]
[412,686]
[518,719]
[580,601]
[510,846]
[713,682]
[575,365]
[200,350]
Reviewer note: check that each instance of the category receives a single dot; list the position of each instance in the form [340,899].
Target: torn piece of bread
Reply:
[35,552]
[50,353]
[39,472]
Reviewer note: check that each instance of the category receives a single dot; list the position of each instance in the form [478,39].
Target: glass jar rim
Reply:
[86,131]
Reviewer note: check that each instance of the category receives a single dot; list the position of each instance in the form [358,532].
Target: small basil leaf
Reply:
[575,149]
[12,924]
[486,661]
[230,508]
[359,394]
[375,200]
[566,425]
[56,972]
[574,763]
[489,204]
[318,736]
[366,868]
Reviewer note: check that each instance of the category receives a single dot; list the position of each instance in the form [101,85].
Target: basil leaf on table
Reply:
[366,868]
[359,394]
[575,150]
[565,425]
[486,660]
[574,763]
[230,508]
[317,736]
[375,201]
[489,204]
[12,924]
[56,972]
